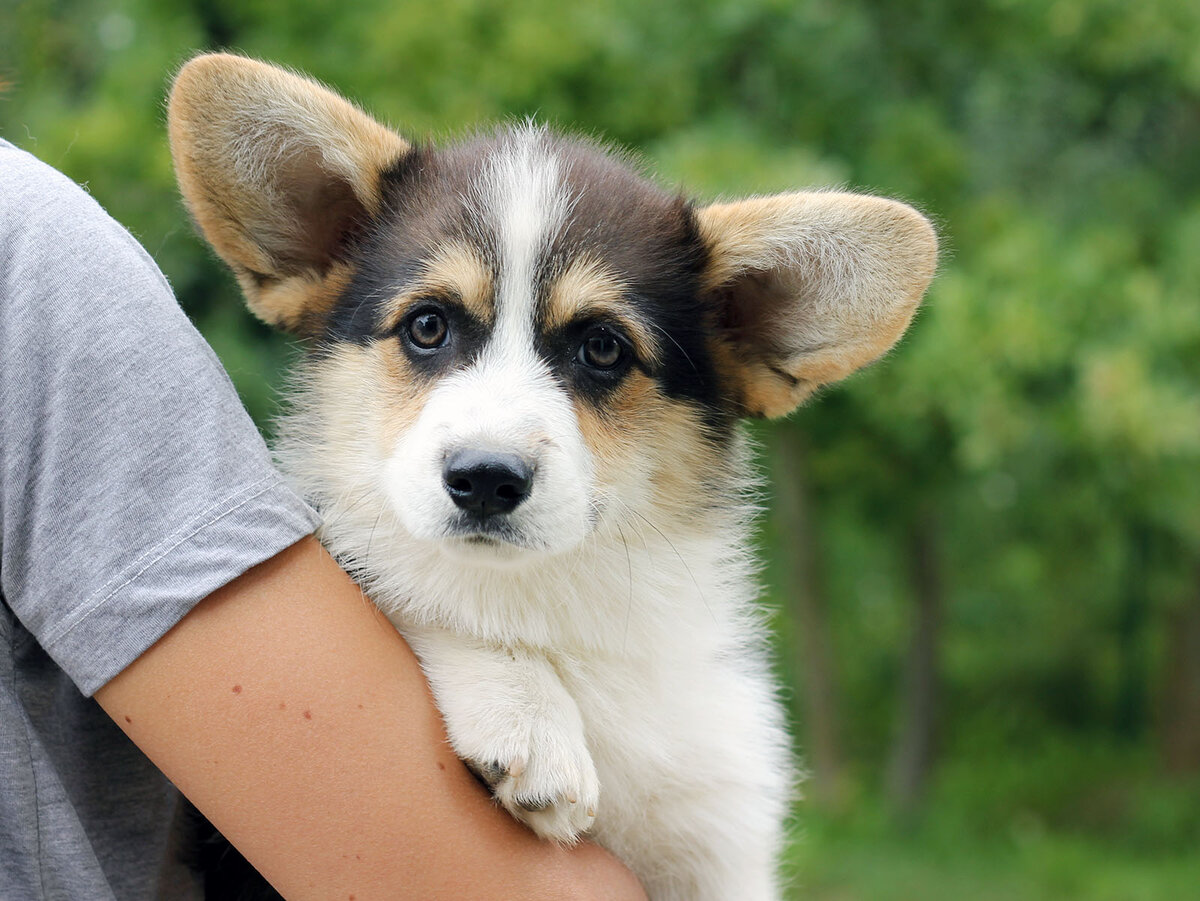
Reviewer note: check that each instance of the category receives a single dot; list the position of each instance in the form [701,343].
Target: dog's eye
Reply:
[428,329]
[601,349]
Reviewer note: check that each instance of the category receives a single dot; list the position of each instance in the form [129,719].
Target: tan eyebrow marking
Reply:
[589,289]
[456,271]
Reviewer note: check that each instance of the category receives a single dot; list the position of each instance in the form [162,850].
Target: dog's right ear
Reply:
[281,175]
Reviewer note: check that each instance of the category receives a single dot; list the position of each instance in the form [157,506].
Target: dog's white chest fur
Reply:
[620,691]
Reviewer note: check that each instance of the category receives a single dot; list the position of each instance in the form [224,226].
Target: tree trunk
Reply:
[912,756]
[1133,664]
[808,606]
[1181,694]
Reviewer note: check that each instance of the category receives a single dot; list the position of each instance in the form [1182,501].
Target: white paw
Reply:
[545,778]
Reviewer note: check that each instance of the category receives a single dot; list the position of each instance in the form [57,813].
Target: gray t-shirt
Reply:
[132,485]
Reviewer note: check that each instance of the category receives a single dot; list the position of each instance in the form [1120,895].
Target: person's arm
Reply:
[295,717]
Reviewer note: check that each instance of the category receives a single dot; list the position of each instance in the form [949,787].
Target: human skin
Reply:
[297,719]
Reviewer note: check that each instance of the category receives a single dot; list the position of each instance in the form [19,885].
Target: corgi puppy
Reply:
[519,417]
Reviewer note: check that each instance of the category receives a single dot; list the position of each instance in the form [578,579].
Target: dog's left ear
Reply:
[811,286]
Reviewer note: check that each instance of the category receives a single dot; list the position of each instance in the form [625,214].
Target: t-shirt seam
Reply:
[33,773]
[227,505]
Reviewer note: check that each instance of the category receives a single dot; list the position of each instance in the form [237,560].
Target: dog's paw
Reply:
[549,784]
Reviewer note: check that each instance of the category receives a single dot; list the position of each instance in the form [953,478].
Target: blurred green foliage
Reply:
[1044,408]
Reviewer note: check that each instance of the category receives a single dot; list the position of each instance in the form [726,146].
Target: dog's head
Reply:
[520,336]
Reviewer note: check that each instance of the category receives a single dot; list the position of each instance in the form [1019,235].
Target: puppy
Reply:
[518,415]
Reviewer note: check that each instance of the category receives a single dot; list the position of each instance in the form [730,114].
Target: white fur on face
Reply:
[507,401]
[522,196]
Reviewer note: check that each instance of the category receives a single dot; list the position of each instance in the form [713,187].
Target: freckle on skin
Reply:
[441,766]
[308,714]
[237,689]
[128,720]
[282,706]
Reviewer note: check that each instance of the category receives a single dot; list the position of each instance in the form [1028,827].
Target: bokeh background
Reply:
[983,553]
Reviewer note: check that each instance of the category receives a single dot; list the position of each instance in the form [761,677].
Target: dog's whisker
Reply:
[629,603]
[374,526]
[687,569]
[662,331]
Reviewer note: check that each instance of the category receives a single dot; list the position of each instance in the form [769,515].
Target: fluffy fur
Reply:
[594,648]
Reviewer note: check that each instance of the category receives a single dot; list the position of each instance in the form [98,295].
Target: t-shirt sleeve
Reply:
[132,482]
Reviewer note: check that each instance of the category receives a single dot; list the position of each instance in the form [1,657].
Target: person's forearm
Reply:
[297,719]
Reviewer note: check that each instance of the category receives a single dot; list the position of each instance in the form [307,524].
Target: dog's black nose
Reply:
[485,482]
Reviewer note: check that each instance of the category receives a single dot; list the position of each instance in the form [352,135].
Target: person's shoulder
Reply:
[25,181]
[53,232]
[35,195]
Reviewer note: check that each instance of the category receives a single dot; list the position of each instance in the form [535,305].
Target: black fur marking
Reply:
[648,237]
[423,209]
[560,349]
